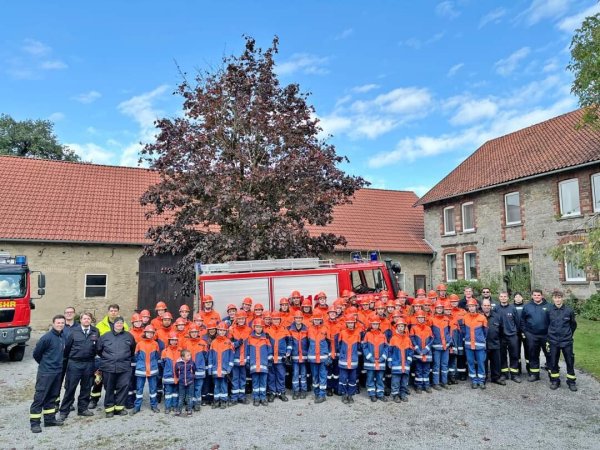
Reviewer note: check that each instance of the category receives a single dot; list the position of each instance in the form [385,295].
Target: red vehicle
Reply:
[16,304]
[269,280]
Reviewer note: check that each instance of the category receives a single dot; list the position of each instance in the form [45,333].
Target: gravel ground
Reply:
[516,415]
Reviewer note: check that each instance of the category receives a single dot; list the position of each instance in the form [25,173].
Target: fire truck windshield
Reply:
[12,285]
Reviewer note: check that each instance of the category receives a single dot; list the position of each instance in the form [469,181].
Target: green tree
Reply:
[32,138]
[243,172]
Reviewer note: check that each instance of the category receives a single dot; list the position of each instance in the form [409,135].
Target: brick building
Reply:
[83,226]
[514,199]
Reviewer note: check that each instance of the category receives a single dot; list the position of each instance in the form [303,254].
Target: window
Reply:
[470,266]
[420,282]
[596,192]
[568,192]
[451,271]
[12,285]
[367,281]
[572,272]
[95,286]
[467,217]
[512,208]
[449,220]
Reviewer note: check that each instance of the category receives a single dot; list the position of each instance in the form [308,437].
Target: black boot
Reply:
[36,428]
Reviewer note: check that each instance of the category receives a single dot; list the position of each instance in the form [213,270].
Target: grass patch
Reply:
[587,345]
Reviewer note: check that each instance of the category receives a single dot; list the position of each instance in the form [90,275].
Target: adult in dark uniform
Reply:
[561,328]
[48,353]
[116,349]
[492,342]
[534,323]
[509,339]
[80,351]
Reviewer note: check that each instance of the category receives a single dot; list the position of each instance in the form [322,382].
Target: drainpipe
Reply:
[430,264]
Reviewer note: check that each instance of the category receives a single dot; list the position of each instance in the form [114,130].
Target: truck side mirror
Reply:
[41,291]
[41,281]
[396,267]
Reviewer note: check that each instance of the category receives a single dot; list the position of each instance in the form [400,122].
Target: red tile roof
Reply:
[76,202]
[545,147]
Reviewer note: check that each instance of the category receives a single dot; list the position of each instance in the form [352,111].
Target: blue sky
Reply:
[407,89]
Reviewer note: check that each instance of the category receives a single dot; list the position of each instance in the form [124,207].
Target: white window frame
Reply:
[446,232]
[578,279]
[468,230]
[85,285]
[448,265]
[506,208]
[562,183]
[595,181]
[466,266]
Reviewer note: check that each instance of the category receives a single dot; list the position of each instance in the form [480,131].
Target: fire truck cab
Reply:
[16,304]
[269,280]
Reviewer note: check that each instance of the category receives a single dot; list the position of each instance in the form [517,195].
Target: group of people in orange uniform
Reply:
[374,341]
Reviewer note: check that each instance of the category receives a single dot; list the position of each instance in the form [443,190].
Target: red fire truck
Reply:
[16,303]
[269,280]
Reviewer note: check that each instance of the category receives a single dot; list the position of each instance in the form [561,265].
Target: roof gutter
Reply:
[51,241]
[430,263]
[518,180]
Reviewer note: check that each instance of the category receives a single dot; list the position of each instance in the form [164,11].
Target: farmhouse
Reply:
[516,197]
[83,226]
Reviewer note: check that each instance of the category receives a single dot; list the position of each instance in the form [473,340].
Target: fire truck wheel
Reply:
[17,353]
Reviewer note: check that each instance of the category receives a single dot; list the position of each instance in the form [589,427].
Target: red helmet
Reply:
[384,293]
[306,302]
[390,304]
[258,323]
[145,313]
[331,309]
[298,315]
[212,323]
[160,305]
[284,301]
[173,336]
[472,302]
[198,316]
[180,321]
[441,287]
[432,294]
[421,314]
[439,304]
[149,329]
[320,294]
[400,321]
[396,315]
[259,306]
[447,305]
[295,294]
[454,298]
[317,315]
[267,315]
[374,318]
[418,302]
[402,294]
[184,308]
[420,291]
[207,298]
[364,300]
[379,304]
[167,315]
[276,315]
[349,318]
[135,317]
[231,306]
[247,301]
[223,326]
[352,310]
[194,328]
[241,314]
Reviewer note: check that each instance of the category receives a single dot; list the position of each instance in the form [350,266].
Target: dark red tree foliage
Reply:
[243,171]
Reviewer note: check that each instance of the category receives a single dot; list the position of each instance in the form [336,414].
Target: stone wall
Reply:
[541,229]
[65,267]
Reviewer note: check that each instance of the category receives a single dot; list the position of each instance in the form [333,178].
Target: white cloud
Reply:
[91,130]
[56,117]
[473,111]
[508,65]
[35,48]
[344,34]
[469,139]
[90,152]
[303,63]
[372,127]
[409,101]
[417,44]
[447,9]
[334,124]
[455,68]
[493,16]
[544,9]
[571,23]
[55,64]
[364,88]
[88,97]
[420,189]
[551,65]
[140,108]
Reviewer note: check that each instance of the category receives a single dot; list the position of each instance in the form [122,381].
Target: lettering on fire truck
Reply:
[8,304]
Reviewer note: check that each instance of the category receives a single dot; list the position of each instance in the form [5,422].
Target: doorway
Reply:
[517,274]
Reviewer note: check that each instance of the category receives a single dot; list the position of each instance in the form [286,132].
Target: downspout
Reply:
[430,264]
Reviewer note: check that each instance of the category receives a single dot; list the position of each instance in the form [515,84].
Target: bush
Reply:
[492,281]
[591,308]
[575,303]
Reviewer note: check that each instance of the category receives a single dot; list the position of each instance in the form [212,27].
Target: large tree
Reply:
[244,171]
[32,138]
